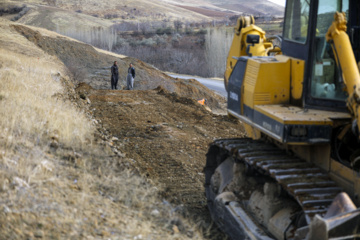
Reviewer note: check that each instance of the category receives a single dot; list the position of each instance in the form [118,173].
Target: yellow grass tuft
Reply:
[28,104]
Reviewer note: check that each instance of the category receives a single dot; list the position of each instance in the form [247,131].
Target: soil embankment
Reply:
[53,189]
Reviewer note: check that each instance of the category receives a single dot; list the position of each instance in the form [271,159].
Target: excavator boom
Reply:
[346,61]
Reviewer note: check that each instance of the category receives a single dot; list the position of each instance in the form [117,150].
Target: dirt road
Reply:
[164,136]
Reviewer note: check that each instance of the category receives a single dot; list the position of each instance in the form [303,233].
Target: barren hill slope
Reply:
[110,10]
[97,163]
[82,14]
[256,7]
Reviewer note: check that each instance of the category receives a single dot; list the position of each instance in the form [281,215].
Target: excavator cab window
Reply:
[326,78]
[297,20]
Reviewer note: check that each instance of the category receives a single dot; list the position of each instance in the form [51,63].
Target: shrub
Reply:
[21,13]
[124,26]
[121,43]
[189,30]
[178,24]
[148,42]
[160,40]
[202,31]
[167,30]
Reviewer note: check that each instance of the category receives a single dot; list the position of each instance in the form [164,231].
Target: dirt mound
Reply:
[93,67]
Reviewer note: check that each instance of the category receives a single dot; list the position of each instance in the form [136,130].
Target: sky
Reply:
[280,2]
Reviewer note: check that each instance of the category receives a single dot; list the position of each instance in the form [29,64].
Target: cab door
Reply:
[235,86]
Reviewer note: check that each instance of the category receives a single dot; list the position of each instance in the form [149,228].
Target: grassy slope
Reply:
[242,6]
[254,7]
[58,19]
[56,179]
[129,10]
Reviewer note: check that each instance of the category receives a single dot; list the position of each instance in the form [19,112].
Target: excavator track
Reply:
[310,186]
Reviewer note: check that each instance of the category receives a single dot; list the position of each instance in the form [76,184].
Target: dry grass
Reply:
[28,89]
[129,10]
[55,181]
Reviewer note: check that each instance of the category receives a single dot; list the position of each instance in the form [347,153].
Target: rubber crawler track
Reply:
[308,184]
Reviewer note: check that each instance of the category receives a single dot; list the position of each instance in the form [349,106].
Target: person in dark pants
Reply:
[130,77]
[114,75]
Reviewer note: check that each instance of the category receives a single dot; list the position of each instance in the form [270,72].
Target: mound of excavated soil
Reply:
[93,67]
[165,136]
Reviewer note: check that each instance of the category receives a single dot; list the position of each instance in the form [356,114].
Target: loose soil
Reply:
[165,136]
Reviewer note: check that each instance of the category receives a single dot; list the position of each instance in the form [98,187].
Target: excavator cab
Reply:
[269,92]
[304,37]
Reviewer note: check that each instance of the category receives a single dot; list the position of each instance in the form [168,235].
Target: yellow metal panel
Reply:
[239,46]
[252,132]
[262,97]
[297,78]
[251,75]
[295,115]
[342,171]
[267,81]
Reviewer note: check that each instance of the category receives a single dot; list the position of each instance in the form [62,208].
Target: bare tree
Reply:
[178,25]
[217,43]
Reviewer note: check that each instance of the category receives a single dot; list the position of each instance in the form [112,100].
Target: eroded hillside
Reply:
[92,66]
[80,162]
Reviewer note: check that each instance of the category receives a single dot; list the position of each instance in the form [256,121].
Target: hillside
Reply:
[80,14]
[101,13]
[80,162]
[256,8]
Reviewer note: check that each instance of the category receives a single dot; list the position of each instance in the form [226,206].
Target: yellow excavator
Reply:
[297,174]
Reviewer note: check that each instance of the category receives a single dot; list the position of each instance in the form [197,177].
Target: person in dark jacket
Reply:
[130,77]
[114,75]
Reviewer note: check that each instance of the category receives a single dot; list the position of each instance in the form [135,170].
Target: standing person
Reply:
[130,77]
[114,75]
